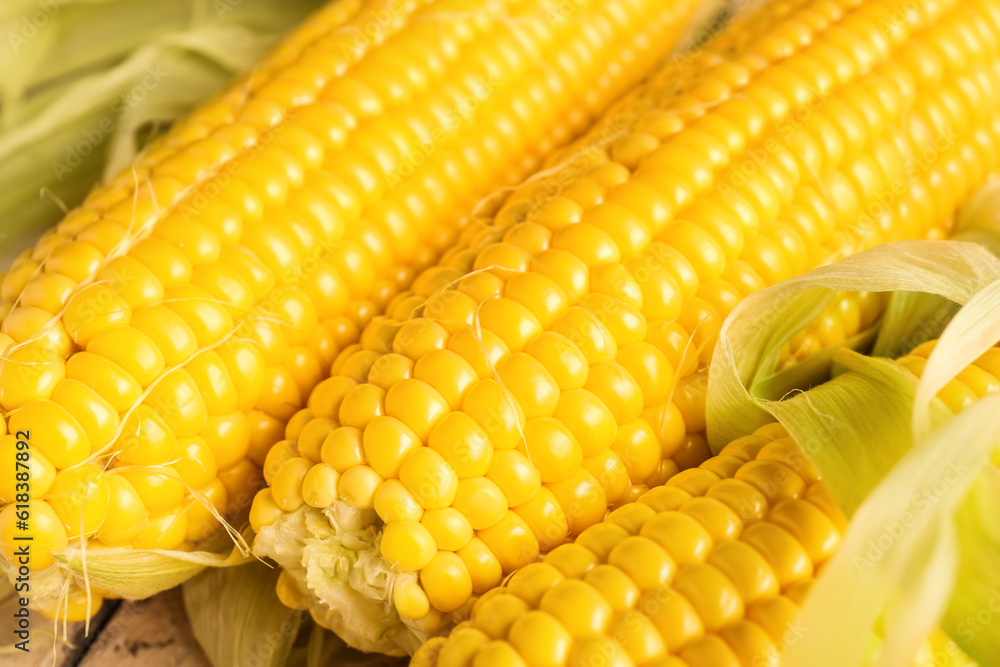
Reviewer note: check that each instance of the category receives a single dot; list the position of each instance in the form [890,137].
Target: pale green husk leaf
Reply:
[912,541]
[127,573]
[972,331]
[136,574]
[923,543]
[911,318]
[750,340]
[84,84]
[237,618]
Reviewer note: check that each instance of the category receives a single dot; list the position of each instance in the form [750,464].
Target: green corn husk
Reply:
[85,84]
[238,619]
[924,539]
[743,373]
[259,630]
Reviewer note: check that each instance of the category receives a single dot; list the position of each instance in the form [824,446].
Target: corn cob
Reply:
[157,341]
[708,570]
[540,381]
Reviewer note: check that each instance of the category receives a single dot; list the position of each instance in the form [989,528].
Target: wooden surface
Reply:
[148,633]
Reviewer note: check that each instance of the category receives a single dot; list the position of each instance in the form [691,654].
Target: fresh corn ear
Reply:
[708,570]
[547,368]
[157,341]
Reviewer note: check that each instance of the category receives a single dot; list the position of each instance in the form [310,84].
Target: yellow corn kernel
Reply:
[495,615]
[229,437]
[47,291]
[29,373]
[298,422]
[35,325]
[93,310]
[195,463]
[645,562]
[159,487]
[37,476]
[207,318]
[446,581]
[76,607]
[126,515]
[286,487]
[429,478]
[145,440]
[582,497]
[343,449]
[614,585]
[463,444]
[410,600]
[540,639]
[393,502]
[44,530]
[449,528]
[107,378]
[132,350]
[209,374]
[242,480]
[53,430]
[358,486]
[387,441]
[564,362]
[546,519]
[408,545]
[484,568]
[416,404]
[496,413]
[447,372]
[319,486]
[264,510]
[178,400]
[80,496]
[513,473]
[511,541]
[201,520]
[162,531]
[588,419]
[578,607]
